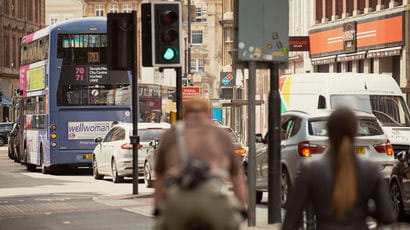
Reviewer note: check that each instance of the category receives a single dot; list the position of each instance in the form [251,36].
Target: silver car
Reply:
[304,139]
[113,154]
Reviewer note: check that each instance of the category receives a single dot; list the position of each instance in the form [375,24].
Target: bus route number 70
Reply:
[79,73]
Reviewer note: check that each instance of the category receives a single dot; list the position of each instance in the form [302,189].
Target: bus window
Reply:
[84,78]
[35,112]
[34,51]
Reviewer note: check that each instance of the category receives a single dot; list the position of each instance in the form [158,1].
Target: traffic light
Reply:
[166,34]
[121,36]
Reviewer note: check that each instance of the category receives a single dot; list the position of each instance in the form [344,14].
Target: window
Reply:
[197,37]
[84,78]
[126,8]
[118,135]
[227,93]
[361,66]
[367,127]
[107,137]
[34,51]
[389,110]
[200,15]
[197,65]
[148,135]
[35,112]
[99,10]
[53,19]
[113,8]
[6,50]
[349,66]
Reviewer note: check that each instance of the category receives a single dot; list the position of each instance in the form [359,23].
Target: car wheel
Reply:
[285,187]
[147,175]
[396,199]
[259,196]
[96,174]
[114,171]
[2,141]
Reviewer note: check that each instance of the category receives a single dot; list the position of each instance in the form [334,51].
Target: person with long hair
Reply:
[340,185]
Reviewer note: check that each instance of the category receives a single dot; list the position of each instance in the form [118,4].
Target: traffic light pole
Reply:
[135,140]
[179,92]
[274,172]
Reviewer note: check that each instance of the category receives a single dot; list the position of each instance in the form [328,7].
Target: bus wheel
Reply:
[96,174]
[115,177]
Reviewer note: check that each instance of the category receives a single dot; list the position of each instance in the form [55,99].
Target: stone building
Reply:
[366,36]
[100,8]
[62,10]
[17,19]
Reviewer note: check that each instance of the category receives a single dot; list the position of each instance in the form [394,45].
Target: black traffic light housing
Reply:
[121,38]
[165,19]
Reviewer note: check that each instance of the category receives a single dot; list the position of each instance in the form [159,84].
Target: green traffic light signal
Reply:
[170,54]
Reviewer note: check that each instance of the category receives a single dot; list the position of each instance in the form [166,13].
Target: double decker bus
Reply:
[69,97]
[150,102]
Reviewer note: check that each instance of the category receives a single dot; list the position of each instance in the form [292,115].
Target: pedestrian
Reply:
[194,161]
[340,186]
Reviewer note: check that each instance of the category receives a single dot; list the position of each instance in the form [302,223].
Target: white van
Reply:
[373,93]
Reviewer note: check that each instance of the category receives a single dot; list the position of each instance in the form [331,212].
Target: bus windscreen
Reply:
[85,79]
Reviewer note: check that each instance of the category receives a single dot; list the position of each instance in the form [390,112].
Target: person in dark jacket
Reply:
[340,186]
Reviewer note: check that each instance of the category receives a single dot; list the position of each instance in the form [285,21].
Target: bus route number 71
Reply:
[79,73]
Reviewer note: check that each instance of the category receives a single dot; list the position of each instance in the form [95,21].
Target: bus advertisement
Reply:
[68,95]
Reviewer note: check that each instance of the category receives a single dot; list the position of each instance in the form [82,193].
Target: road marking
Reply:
[66,222]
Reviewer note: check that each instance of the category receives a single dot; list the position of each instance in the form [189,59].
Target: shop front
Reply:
[372,43]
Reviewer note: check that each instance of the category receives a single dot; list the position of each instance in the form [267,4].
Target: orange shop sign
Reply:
[380,32]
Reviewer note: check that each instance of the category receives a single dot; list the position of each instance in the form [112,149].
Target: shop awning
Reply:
[351,56]
[384,52]
[6,101]
[324,60]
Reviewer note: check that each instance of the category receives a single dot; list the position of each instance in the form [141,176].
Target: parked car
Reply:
[14,143]
[400,185]
[5,128]
[113,154]
[304,139]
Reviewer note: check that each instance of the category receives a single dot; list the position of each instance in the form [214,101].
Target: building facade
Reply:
[62,10]
[17,19]
[367,36]
[300,21]
[206,45]
[100,8]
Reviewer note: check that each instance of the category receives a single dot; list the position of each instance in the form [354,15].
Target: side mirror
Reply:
[259,138]
[402,156]
[98,140]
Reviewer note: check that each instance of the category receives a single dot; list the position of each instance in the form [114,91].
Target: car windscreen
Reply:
[147,135]
[390,110]
[367,127]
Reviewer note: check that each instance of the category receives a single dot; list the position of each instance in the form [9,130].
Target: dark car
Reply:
[400,185]
[14,143]
[5,129]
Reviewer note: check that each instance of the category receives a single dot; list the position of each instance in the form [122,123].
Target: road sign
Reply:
[263,29]
[190,92]
[228,79]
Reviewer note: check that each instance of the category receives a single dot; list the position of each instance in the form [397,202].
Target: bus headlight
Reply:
[53,136]
[53,144]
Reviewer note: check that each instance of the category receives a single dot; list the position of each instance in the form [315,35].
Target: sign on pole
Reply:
[263,30]
[190,92]
[228,79]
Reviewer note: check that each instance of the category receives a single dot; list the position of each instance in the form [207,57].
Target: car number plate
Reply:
[360,150]
[88,156]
